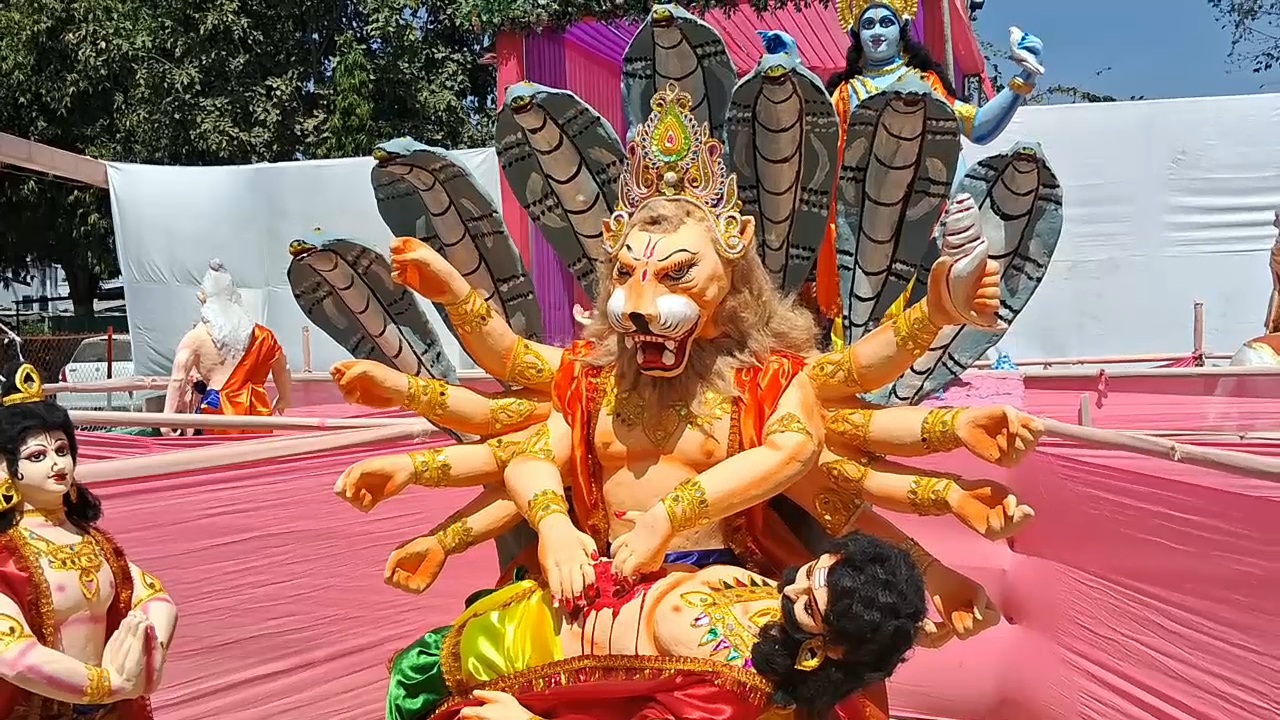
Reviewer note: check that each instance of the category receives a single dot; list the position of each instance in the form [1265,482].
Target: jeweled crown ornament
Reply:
[850,11]
[30,386]
[674,156]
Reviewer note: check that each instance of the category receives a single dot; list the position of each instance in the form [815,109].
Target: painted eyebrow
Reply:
[673,253]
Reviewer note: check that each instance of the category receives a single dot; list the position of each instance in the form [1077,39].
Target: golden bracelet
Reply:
[537,445]
[921,557]
[851,425]
[543,505]
[470,313]
[428,397]
[687,506]
[967,115]
[938,430]
[835,369]
[98,689]
[1022,87]
[838,507]
[914,331]
[506,413]
[528,368]
[455,537]
[431,468]
[503,450]
[788,423]
[928,494]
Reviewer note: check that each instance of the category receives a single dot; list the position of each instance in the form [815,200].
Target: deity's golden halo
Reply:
[849,11]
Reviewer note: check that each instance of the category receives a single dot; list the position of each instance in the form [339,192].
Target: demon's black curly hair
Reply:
[876,599]
[913,53]
[20,421]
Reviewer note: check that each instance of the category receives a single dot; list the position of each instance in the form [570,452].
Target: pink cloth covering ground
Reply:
[1144,589]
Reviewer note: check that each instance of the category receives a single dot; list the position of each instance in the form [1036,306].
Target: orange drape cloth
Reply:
[245,391]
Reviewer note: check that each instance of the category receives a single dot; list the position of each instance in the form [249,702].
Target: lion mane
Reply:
[756,319]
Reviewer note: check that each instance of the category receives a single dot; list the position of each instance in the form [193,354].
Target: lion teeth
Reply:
[671,344]
[668,357]
[629,341]
[639,356]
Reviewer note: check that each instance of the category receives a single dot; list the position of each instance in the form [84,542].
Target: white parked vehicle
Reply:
[89,364]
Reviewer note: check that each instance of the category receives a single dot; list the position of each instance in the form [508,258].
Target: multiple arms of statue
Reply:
[793,439]
[998,434]
[487,338]
[151,600]
[369,383]
[49,673]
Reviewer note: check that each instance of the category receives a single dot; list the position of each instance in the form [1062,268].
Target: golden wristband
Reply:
[1022,87]
[98,689]
[938,430]
[687,506]
[428,397]
[543,505]
[455,537]
[503,451]
[914,331]
[928,495]
[431,468]
[470,313]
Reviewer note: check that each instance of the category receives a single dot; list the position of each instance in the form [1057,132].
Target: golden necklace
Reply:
[722,628]
[81,557]
[630,410]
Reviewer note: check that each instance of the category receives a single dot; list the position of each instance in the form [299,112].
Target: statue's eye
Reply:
[868,23]
[887,22]
[621,273]
[679,273]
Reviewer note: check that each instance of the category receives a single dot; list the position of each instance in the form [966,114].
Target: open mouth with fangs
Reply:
[659,355]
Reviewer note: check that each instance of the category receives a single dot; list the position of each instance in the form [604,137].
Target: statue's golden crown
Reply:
[30,386]
[848,11]
[674,156]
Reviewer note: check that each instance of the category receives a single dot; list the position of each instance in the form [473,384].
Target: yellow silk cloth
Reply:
[511,630]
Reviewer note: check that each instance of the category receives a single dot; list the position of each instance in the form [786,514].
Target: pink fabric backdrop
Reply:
[1143,590]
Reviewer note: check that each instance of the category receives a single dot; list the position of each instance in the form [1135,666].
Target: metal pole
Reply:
[946,36]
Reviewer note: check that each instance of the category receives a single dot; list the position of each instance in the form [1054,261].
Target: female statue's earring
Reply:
[74,491]
[10,496]
[811,655]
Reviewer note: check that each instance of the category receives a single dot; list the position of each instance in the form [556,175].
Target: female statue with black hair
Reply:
[83,632]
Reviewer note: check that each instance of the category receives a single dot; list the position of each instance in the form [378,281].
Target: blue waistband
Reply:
[703,558]
[211,399]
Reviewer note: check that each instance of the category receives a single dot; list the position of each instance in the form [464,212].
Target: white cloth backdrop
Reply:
[170,221]
[1166,202]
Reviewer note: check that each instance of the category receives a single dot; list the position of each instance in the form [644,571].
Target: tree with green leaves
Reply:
[1043,95]
[219,82]
[1255,31]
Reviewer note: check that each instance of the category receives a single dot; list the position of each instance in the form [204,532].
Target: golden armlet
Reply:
[470,313]
[788,423]
[938,430]
[537,445]
[98,689]
[543,505]
[851,425]
[503,450]
[687,506]
[455,537]
[913,330]
[528,368]
[835,369]
[428,397]
[506,413]
[928,495]
[431,468]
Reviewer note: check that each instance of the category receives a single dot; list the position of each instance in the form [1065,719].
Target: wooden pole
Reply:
[306,348]
[1198,327]
[60,163]
[946,36]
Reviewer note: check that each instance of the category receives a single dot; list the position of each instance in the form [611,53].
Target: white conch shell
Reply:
[1024,59]
[967,248]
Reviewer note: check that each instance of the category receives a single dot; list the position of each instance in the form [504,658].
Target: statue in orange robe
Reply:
[221,366]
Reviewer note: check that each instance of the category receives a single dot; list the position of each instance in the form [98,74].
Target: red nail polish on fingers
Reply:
[595,556]
[619,514]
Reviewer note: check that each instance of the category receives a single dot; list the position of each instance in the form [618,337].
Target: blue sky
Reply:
[1154,48]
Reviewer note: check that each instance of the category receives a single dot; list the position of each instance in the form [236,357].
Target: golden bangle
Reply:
[455,537]
[505,413]
[428,397]
[543,505]
[528,368]
[12,632]
[788,422]
[836,369]
[851,425]
[914,331]
[431,468]
[1022,87]
[938,430]
[966,115]
[98,689]
[503,450]
[919,555]
[687,506]
[928,494]
[470,313]
[537,445]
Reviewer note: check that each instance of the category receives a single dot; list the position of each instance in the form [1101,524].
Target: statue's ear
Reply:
[747,231]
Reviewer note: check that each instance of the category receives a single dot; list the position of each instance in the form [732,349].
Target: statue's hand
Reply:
[999,434]
[1026,50]
[497,706]
[414,566]
[930,635]
[423,270]
[567,556]
[371,481]
[125,656]
[988,508]
[642,549]
[369,383]
[961,602]
[964,284]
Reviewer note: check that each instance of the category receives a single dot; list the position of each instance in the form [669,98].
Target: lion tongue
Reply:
[649,354]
